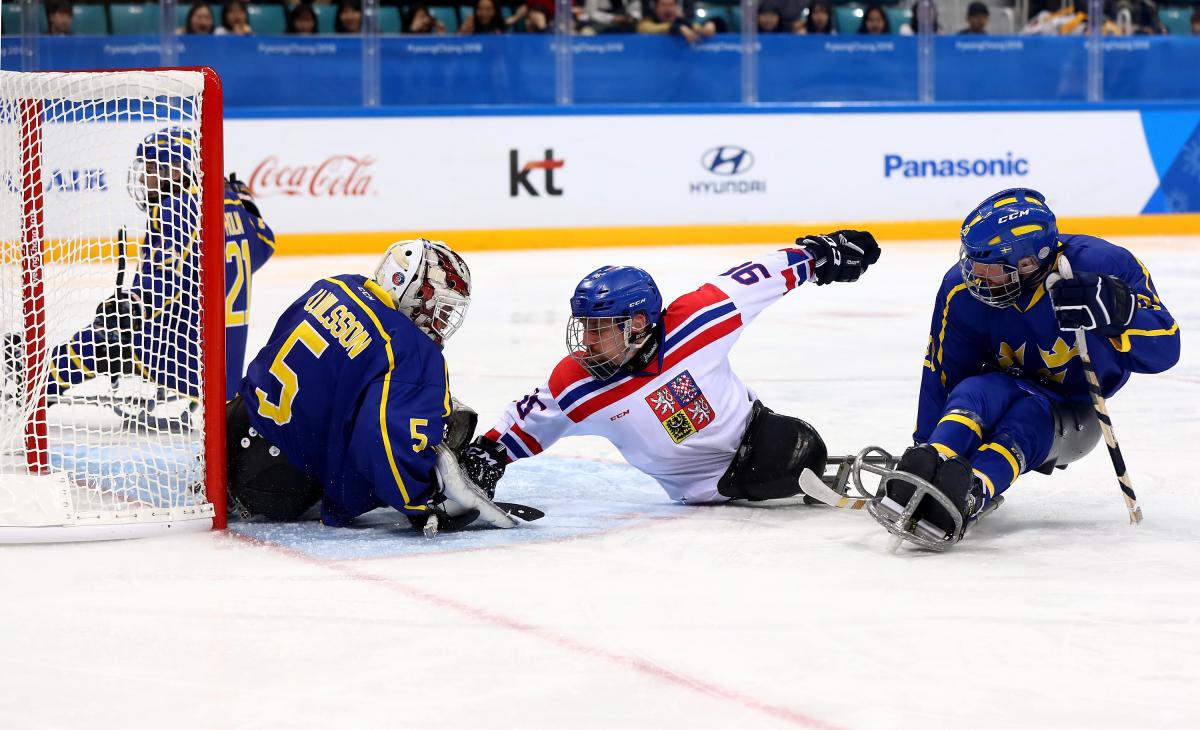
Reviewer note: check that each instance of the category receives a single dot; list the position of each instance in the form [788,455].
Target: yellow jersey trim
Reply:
[1008,456]
[945,320]
[959,418]
[944,450]
[387,383]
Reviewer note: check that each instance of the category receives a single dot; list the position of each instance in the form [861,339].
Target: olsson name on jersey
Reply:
[340,321]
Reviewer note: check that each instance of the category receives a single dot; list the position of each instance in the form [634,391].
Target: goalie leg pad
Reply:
[261,480]
[773,452]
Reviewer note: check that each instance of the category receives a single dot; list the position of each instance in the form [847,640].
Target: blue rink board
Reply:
[328,71]
[580,498]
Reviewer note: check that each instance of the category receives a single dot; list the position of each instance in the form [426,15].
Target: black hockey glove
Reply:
[117,319]
[841,255]
[1093,302]
[242,191]
[483,462]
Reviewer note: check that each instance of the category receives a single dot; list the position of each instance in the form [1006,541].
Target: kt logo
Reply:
[518,174]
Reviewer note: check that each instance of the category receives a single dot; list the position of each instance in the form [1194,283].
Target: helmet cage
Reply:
[430,283]
[597,364]
[159,156]
[1001,241]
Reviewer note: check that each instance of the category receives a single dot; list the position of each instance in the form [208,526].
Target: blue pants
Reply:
[1003,426]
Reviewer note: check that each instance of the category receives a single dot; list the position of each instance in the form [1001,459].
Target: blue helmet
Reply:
[617,291]
[1008,244]
[602,309]
[164,164]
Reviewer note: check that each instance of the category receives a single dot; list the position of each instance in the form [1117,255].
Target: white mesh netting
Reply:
[100,274]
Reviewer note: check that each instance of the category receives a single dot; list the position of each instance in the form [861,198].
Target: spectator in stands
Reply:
[1196,20]
[419,20]
[977,19]
[485,19]
[59,14]
[235,19]
[666,18]
[1059,18]
[536,14]
[913,26]
[791,14]
[874,22]
[349,17]
[302,20]
[1139,17]
[819,20]
[200,20]
[770,20]
[608,16]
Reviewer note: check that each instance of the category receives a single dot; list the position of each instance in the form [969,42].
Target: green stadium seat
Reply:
[89,20]
[708,11]
[1177,20]
[267,19]
[448,16]
[325,17]
[847,19]
[389,20]
[134,19]
[11,19]
[898,17]
[181,11]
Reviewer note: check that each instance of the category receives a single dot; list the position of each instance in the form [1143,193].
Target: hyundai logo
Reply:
[727,160]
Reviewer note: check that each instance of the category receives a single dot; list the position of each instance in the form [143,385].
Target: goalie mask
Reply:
[602,334]
[162,167]
[428,282]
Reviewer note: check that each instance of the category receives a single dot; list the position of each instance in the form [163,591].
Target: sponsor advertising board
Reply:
[382,175]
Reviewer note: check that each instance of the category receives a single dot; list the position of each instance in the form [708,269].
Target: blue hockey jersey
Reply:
[249,242]
[166,346]
[354,395]
[966,334]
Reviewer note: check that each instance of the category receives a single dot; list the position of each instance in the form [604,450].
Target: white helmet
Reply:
[428,282]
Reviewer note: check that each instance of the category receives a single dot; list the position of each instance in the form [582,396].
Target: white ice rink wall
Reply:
[651,176]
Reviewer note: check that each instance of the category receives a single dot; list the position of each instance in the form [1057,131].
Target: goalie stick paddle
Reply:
[524,512]
[1110,438]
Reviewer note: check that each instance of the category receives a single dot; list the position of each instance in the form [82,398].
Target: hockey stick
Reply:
[524,512]
[1110,438]
[812,486]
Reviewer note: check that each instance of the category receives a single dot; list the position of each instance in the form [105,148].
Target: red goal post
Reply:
[114,430]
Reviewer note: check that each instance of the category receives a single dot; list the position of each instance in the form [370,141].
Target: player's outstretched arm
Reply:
[840,256]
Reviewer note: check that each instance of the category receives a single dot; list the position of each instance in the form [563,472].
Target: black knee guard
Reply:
[261,480]
[1076,433]
[773,452]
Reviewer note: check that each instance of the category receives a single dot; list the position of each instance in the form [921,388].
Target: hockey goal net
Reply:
[111,304]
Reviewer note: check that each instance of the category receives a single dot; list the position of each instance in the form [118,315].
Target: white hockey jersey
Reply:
[681,419]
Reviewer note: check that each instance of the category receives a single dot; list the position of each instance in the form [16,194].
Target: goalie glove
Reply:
[460,426]
[483,462]
[841,255]
[242,191]
[461,495]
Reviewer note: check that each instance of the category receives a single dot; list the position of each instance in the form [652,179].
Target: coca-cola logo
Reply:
[337,176]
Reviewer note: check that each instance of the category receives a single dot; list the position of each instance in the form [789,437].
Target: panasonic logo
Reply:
[1007,166]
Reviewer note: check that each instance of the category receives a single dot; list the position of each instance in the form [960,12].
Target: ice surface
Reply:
[621,609]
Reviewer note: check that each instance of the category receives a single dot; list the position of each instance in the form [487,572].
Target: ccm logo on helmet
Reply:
[1014,216]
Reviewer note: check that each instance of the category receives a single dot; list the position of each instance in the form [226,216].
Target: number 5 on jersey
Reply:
[308,336]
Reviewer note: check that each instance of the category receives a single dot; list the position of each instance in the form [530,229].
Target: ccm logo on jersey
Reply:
[1014,216]
[622,414]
